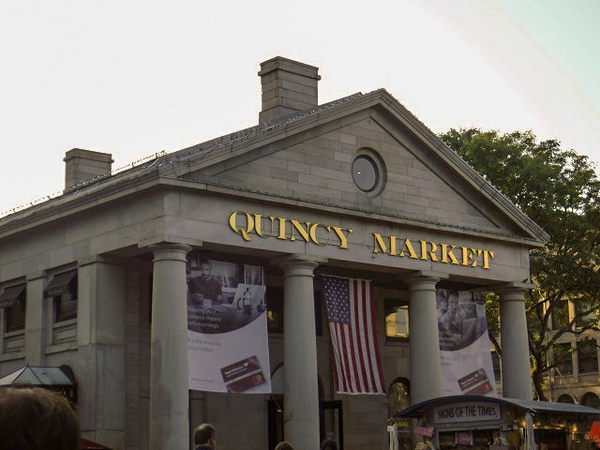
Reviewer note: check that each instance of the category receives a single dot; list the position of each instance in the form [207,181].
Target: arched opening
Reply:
[590,399]
[565,398]
[398,395]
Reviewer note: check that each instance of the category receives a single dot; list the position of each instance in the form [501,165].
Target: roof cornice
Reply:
[167,171]
[96,196]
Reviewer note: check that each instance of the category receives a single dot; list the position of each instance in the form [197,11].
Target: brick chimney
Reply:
[83,165]
[287,87]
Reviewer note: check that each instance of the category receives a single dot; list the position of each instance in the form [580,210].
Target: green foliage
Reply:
[560,191]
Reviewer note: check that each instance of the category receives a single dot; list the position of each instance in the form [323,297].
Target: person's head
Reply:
[36,419]
[284,445]
[205,268]
[205,434]
[329,444]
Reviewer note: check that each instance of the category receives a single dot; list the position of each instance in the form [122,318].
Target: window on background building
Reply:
[62,288]
[496,366]
[587,355]
[565,398]
[590,399]
[563,359]
[13,302]
[396,320]
[399,395]
[560,315]
[584,313]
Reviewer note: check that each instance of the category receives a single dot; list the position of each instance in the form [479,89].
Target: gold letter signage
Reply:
[430,251]
[249,226]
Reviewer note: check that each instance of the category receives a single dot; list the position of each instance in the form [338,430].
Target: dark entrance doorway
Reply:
[330,421]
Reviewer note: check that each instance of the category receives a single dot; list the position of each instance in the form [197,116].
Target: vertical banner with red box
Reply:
[465,349]
[228,347]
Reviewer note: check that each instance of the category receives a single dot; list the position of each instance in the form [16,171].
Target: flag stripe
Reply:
[349,357]
[360,339]
[343,365]
[364,332]
[341,374]
[346,360]
[336,354]
[349,305]
[356,356]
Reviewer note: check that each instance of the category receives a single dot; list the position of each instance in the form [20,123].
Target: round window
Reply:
[365,173]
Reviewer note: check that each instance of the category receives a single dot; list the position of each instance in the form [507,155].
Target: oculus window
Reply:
[368,172]
[365,173]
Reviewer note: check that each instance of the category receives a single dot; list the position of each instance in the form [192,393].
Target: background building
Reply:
[575,380]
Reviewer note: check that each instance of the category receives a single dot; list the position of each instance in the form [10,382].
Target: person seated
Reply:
[206,286]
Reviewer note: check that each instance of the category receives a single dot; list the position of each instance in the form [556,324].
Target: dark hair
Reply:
[284,445]
[36,419]
[328,444]
[203,433]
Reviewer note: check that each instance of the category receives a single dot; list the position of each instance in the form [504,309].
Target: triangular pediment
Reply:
[310,160]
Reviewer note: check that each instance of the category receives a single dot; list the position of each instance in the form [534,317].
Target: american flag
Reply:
[349,305]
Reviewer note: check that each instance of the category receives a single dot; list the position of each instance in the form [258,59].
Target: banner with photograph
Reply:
[228,347]
[465,349]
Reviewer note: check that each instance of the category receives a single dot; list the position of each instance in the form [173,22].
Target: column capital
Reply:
[170,252]
[167,246]
[298,261]
[512,291]
[423,279]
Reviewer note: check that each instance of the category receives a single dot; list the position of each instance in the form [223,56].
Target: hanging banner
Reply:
[228,347]
[465,349]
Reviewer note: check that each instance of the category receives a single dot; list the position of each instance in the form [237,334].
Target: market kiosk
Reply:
[477,423]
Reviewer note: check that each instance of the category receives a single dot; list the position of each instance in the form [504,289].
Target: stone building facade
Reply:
[95,278]
[575,379]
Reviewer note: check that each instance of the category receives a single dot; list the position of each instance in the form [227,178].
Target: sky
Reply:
[133,78]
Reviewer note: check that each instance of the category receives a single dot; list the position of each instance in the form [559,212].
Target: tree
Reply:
[559,190]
